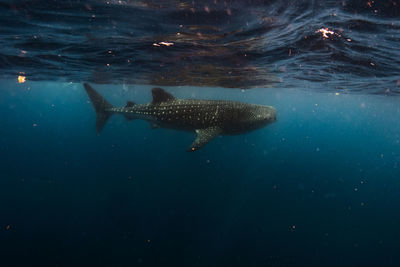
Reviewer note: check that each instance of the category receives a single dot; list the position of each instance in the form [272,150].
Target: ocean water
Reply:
[319,187]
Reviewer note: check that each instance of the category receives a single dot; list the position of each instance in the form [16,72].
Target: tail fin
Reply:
[100,105]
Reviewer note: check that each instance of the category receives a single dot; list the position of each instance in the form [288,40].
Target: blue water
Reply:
[319,187]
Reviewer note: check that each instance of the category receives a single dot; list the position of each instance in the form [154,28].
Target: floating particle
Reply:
[21,79]
[34,125]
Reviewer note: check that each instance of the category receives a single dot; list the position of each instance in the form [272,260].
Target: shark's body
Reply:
[208,118]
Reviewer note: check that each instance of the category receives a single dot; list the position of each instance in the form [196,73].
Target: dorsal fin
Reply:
[160,95]
[129,104]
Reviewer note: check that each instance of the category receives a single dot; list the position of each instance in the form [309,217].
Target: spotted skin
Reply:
[182,114]
[208,118]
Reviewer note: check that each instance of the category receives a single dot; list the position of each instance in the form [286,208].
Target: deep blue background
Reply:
[320,187]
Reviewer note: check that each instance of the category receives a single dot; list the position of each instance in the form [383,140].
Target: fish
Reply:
[207,118]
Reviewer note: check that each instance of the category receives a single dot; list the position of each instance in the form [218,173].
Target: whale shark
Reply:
[208,118]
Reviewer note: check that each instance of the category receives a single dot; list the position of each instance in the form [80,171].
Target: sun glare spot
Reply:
[163,43]
[166,43]
[325,32]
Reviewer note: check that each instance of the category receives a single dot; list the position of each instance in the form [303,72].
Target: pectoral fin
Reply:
[204,136]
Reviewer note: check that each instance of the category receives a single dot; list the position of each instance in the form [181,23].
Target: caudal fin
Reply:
[101,106]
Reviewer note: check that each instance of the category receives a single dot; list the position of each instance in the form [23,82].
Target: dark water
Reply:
[319,187]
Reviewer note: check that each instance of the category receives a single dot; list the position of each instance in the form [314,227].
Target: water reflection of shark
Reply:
[208,118]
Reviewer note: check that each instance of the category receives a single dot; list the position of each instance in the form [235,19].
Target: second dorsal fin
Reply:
[129,104]
[160,95]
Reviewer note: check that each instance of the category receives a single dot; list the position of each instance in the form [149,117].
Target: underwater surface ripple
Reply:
[349,46]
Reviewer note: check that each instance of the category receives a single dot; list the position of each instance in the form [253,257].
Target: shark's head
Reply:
[263,115]
[251,117]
